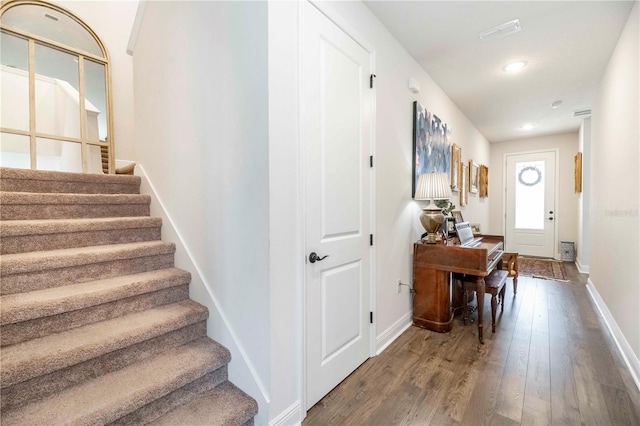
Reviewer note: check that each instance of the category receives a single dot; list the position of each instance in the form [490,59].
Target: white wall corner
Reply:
[241,370]
[630,358]
[393,332]
[291,416]
[135,29]
[583,269]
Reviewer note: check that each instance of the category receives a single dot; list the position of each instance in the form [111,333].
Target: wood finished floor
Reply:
[552,361]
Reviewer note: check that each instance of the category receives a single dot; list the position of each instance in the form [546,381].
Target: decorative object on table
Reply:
[456,158]
[449,227]
[432,186]
[484,181]
[473,177]
[577,172]
[475,228]
[431,147]
[464,187]
[457,216]
[547,269]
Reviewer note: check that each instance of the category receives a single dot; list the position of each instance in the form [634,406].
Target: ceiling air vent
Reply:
[582,113]
[501,30]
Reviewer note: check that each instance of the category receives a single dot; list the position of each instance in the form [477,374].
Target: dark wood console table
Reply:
[433,265]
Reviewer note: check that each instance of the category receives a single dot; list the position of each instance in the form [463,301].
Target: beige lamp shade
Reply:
[433,186]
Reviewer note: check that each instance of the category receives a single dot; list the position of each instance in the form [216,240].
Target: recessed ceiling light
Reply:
[515,66]
[528,126]
[556,104]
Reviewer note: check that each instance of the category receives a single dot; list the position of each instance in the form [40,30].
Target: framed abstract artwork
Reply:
[431,147]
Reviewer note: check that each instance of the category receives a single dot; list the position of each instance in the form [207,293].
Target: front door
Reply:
[337,105]
[530,203]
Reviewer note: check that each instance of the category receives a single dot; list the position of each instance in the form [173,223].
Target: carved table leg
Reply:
[480,289]
[494,309]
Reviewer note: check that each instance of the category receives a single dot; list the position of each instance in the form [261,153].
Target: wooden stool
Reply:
[510,264]
[494,285]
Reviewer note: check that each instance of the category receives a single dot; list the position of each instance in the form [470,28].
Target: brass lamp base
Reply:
[431,219]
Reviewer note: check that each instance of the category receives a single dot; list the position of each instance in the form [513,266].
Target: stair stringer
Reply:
[242,372]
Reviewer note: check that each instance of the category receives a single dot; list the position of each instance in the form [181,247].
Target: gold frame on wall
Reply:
[456,158]
[577,173]
[464,188]
[473,177]
[484,181]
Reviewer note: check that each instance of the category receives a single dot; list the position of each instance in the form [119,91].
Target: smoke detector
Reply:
[501,30]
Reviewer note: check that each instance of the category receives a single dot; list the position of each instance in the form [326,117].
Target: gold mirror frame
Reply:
[31,38]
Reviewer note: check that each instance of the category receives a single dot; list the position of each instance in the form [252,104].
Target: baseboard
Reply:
[393,332]
[630,358]
[241,370]
[291,416]
[583,269]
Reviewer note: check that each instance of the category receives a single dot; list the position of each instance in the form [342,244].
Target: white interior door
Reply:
[336,125]
[530,203]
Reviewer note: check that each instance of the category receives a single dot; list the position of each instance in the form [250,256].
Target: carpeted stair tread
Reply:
[226,405]
[111,396]
[52,301]
[25,180]
[54,259]
[37,198]
[12,228]
[32,206]
[22,236]
[37,357]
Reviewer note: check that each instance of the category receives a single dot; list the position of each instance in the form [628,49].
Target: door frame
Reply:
[329,12]
[556,188]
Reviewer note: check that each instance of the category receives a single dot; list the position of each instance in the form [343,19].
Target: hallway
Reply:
[551,361]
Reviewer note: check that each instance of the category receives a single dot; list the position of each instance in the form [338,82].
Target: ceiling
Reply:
[566,44]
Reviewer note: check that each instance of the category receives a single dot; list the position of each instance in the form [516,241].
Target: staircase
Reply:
[96,323]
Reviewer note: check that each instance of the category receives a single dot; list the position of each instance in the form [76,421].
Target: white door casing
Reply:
[530,200]
[336,126]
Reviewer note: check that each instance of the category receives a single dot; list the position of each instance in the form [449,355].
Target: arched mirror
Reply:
[55,91]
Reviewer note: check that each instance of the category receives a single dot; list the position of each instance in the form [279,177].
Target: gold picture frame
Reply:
[577,173]
[484,181]
[456,159]
[464,187]
[473,177]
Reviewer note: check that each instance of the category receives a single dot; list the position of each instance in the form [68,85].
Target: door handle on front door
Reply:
[313,257]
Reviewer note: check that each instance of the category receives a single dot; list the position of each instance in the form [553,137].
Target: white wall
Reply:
[200,80]
[112,21]
[396,214]
[615,182]
[583,243]
[567,210]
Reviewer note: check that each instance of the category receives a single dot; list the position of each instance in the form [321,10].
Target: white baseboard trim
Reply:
[185,256]
[583,269]
[630,358]
[291,416]
[393,332]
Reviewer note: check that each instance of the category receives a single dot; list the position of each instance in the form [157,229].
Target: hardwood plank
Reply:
[512,388]
[536,411]
[564,399]
[480,408]
[538,383]
[620,406]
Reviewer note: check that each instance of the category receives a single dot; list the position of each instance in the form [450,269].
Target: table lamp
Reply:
[432,186]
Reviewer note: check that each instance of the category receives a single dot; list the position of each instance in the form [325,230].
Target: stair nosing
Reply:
[63,198]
